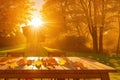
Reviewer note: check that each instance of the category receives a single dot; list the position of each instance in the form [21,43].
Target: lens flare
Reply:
[36,22]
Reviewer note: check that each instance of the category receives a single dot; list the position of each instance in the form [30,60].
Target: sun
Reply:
[36,22]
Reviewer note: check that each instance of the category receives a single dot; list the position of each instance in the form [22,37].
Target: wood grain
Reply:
[88,69]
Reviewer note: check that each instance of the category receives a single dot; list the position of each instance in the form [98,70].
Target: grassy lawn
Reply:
[113,61]
[19,48]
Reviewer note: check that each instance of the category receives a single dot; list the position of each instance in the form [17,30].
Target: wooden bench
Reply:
[15,54]
[56,54]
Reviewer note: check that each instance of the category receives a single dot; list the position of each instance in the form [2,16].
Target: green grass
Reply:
[19,48]
[113,61]
[13,48]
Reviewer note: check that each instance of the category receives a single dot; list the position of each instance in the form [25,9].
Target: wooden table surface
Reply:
[53,67]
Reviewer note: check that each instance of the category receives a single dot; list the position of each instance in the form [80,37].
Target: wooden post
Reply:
[105,76]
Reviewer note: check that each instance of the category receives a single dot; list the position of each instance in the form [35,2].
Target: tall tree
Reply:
[97,13]
[90,11]
[118,15]
[13,13]
[102,27]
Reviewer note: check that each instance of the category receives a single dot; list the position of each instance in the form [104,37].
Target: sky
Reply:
[38,5]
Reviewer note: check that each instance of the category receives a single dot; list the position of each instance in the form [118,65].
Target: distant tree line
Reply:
[98,21]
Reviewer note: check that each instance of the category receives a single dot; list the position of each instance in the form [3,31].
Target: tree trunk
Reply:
[78,31]
[95,41]
[101,40]
[92,27]
[95,33]
[118,45]
[101,28]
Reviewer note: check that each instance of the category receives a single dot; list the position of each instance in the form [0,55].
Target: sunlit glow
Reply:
[36,22]
[105,33]
[32,58]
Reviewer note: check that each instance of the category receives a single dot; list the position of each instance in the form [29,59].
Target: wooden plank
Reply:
[4,67]
[67,68]
[64,67]
[92,64]
[104,66]
[59,68]
[86,63]
[89,64]
[15,54]
[63,75]
[98,64]
[56,54]
[105,76]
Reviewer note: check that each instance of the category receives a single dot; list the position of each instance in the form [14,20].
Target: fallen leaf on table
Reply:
[38,63]
[62,62]
[13,65]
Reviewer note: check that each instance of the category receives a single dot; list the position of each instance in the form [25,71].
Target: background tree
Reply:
[13,13]
[100,15]
[117,6]
[63,20]
[91,19]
